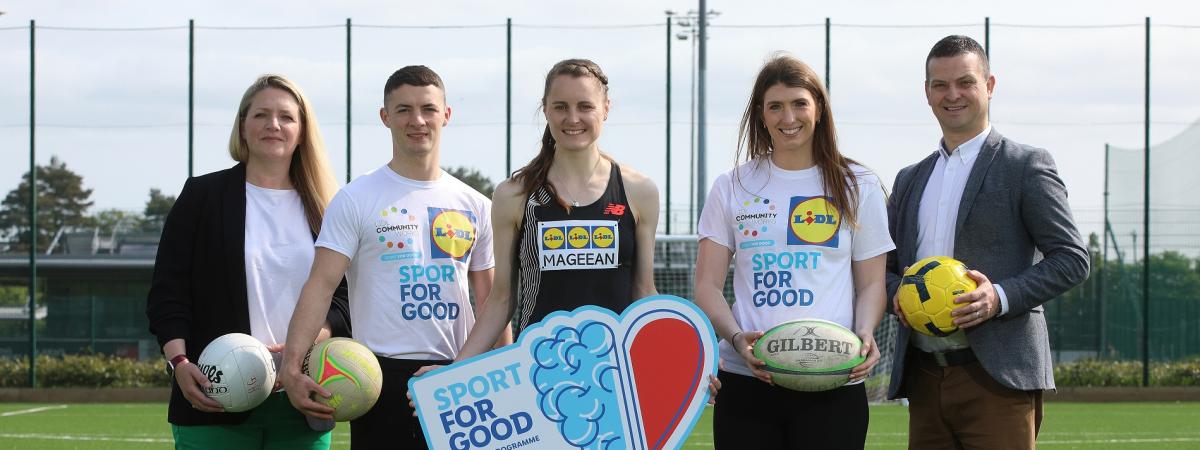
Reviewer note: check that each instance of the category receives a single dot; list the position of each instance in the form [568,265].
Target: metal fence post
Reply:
[348,115]
[987,37]
[828,82]
[1103,295]
[701,112]
[1146,227]
[191,91]
[33,225]
[668,211]
[508,99]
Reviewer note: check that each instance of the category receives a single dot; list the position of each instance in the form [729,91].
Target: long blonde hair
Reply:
[309,171]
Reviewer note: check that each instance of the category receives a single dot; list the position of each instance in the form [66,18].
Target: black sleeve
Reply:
[169,303]
[339,311]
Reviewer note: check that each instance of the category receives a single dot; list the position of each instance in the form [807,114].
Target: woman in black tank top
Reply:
[572,227]
[569,258]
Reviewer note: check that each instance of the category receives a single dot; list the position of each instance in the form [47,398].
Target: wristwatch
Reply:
[175,362]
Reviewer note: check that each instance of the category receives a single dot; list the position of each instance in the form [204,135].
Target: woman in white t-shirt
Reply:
[234,254]
[806,229]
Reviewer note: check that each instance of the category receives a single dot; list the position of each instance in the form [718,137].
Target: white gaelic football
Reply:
[240,370]
[809,355]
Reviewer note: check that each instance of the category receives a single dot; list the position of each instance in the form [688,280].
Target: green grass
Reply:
[1067,425]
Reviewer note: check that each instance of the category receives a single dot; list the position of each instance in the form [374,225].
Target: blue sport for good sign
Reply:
[586,379]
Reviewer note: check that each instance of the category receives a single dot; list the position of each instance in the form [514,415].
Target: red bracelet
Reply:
[177,360]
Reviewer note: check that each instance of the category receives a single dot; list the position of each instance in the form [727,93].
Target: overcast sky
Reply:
[113,104]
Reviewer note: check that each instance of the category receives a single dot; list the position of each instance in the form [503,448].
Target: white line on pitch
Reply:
[59,437]
[1081,441]
[32,410]
[1119,441]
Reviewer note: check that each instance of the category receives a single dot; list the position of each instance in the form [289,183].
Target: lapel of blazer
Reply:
[912,207]
[975,180]
[233,224]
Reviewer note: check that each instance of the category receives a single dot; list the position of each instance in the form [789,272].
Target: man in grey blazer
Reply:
[1001,208]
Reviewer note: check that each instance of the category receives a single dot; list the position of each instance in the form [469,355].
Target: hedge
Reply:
[111,371]
[1099,373]
[85,371]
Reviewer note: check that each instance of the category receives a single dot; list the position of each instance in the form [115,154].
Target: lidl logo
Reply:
[578,244]
[603,237]
[813,221]
[553,238]
[579,237]
[451,233]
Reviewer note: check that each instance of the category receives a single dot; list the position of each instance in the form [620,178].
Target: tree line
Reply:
[64,204]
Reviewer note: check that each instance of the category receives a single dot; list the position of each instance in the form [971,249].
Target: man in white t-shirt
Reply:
[408,237]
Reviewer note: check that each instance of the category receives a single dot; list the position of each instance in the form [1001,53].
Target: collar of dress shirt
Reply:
[968,150]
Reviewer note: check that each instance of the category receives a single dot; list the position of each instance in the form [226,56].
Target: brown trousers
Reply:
[962,407]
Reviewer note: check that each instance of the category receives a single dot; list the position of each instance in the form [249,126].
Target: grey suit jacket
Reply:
[1014,212]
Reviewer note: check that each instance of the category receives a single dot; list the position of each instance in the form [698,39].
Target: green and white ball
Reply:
[809,355]
[349,371]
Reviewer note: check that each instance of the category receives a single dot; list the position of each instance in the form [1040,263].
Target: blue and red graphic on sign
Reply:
[585,379]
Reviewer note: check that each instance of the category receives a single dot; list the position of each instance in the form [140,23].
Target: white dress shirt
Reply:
[937,218]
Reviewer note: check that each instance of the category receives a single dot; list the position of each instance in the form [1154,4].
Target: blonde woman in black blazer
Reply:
[200,287]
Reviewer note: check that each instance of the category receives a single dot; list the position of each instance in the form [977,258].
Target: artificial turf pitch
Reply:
[1068,425]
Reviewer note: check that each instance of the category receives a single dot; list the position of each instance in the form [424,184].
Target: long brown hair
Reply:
[309,171]
[534,174]
[839,181]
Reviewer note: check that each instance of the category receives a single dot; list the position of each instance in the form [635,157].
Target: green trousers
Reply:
[273,425]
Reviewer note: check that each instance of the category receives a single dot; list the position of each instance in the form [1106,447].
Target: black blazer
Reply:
[198,291]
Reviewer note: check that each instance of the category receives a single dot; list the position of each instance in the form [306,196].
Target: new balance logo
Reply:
[614,209]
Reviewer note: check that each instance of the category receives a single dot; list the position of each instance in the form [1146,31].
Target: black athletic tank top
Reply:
[567,260]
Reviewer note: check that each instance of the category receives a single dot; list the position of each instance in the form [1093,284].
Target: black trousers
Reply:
[390,423]
[753,414]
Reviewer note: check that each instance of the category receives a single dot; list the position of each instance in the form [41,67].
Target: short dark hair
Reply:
[955,45]
[412,76]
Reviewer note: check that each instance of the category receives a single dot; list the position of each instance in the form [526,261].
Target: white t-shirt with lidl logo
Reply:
[792,253]
[410,244]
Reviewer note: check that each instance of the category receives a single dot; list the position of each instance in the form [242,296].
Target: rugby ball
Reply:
[809,355]
[240,371]
[349,371]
